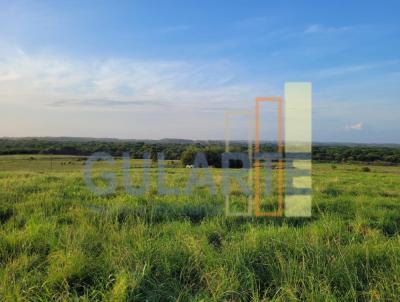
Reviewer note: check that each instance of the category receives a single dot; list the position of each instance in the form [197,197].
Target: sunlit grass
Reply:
[60,242]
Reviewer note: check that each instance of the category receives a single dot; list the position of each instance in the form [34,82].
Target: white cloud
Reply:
[350,69]
[56,81]
[357,126]
[318,28]
[53,95]
[313,29]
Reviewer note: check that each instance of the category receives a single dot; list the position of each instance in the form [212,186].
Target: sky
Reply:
[163,69]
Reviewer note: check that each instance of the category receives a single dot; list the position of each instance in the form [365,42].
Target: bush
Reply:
[188,156]
[365,169]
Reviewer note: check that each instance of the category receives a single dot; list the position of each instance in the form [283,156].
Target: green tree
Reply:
[188,156]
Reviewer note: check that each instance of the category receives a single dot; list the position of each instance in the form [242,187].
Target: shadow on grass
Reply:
[152,213]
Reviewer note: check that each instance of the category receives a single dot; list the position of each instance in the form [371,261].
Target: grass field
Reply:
[59,242]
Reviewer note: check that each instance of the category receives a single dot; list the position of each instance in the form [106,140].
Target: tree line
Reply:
[186,150]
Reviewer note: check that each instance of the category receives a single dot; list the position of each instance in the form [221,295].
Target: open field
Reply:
[59,242]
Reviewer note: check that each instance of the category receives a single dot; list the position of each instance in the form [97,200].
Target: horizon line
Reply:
[188,139]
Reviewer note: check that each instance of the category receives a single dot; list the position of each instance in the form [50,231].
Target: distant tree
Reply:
[188,156]
[153,155]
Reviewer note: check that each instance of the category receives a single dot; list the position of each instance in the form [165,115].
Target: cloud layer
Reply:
[48,80]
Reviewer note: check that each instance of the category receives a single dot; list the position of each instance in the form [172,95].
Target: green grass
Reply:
[59,242]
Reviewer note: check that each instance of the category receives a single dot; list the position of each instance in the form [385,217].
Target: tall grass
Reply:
[59,242]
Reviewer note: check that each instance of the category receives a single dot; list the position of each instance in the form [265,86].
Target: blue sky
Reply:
[154,69]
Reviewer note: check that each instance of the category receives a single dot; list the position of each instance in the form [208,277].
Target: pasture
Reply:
[60,242]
